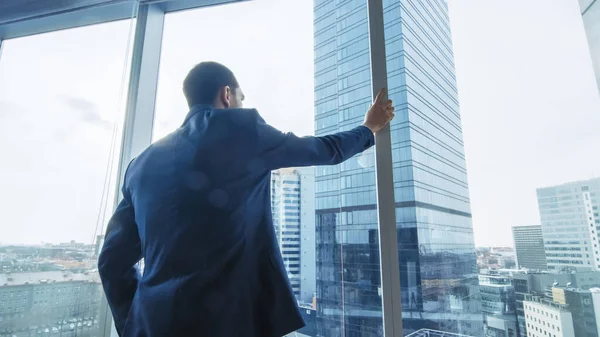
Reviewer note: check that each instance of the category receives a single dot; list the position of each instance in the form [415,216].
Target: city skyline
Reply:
[509,146]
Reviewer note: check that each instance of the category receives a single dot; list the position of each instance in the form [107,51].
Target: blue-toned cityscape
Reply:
[325,218]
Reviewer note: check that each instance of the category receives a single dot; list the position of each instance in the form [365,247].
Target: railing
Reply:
[435,333]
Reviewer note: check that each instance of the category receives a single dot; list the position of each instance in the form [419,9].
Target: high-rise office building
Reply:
[292,203]
[497,298]
[529,247]
[590,12]
[498,305]
[584,306]
[308,277]
[437,264]
[547,318]
[570,224]
[540,284]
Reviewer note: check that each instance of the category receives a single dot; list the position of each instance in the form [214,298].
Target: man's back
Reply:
[206,235]
[197,208]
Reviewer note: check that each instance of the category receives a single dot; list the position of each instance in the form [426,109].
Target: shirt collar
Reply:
[197,108]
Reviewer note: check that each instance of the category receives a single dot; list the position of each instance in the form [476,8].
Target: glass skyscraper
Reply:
[571,224]
[529,247]
[437,265]
[590,12]
[292,204]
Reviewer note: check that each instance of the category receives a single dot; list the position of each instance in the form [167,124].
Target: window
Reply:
[314,266]
[61,110]
[306,66]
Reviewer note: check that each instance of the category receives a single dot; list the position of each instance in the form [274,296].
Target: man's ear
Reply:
[227,96]
[223,99]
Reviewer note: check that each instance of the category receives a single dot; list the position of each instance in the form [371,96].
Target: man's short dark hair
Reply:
[204,81]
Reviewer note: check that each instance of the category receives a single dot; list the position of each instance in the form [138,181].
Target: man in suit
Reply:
[196,206]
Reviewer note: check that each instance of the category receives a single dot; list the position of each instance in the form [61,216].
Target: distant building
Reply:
[501,326]
[576,291]
[308,277]
[584,306]
[529,247]
[570,225]
[497,295]
[546,318]
[292,203]
[496,258]
[60,301]
[590,13]
[498,305]
[98,244]
[540,284]
[506,256]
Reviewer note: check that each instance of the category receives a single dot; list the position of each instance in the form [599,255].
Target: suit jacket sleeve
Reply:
[278,149]
[117,262]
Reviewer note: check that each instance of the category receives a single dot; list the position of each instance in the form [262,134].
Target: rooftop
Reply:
[546,302]
[579,290]
[434,333]
[571,184]
[16,279]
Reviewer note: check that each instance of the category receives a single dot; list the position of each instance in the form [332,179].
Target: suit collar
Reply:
[196,109]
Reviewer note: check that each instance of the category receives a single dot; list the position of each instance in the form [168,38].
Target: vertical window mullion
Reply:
[386,208]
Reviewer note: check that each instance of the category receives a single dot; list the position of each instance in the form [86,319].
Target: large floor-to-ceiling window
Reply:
[72,116]
[435,238]
[346,211]
[435,232]
[61,112]
[333,268]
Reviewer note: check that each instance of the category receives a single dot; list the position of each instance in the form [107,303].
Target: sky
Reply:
[529,104]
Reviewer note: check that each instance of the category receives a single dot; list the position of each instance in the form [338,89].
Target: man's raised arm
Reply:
[278,149]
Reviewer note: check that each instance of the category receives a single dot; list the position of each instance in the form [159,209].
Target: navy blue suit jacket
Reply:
[196,207]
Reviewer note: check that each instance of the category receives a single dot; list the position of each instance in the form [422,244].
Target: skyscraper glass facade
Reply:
[436,248]
[285,203]
[529,247]
[590,13]
[292,204]
[571,224]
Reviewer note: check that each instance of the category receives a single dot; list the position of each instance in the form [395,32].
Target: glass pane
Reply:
[349,286]
[438,270]
[325,217]
[61,111]
[529,163]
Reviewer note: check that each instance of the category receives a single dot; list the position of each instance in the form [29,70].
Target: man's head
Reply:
[212,83]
